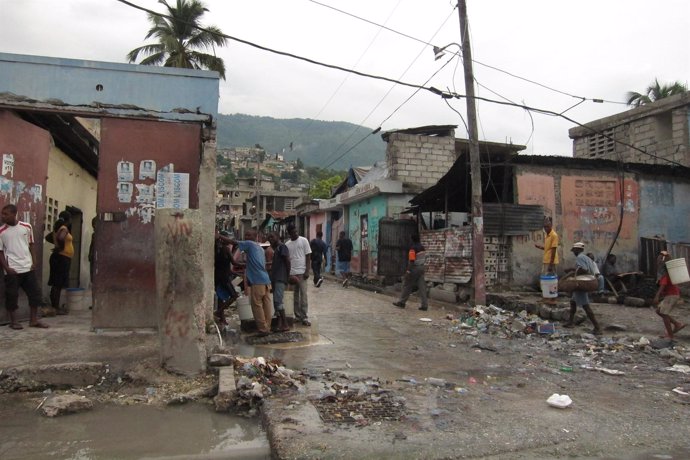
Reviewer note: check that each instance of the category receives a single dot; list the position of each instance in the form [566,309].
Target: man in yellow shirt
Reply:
[550,248]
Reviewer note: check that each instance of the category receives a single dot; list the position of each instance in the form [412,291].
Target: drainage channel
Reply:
[191,431]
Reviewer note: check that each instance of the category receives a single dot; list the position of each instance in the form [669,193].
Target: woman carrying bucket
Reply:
[667,297]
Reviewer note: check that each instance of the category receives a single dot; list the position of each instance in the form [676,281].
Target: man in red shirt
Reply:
[669,294]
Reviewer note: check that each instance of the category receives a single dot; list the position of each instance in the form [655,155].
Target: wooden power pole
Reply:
[475,164]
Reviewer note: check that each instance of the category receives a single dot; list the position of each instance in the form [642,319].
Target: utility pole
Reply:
[475,163]
[258,192]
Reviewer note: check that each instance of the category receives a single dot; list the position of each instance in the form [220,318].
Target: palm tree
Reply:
[655,92]
[179,38]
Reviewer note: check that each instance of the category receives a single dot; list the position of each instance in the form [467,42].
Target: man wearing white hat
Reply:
[583,266]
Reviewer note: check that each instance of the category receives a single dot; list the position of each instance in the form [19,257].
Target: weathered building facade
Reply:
[656,133]
[156,151]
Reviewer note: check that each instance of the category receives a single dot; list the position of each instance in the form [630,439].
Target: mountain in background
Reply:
[315,142]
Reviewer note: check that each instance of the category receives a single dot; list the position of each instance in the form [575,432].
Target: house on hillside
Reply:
[656,133]
[115,142]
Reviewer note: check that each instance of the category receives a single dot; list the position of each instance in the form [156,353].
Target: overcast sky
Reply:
[587,48]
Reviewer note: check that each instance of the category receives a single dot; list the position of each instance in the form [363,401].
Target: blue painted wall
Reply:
[75,82]
[665,210]
[375,208]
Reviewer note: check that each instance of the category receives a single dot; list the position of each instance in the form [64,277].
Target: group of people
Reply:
[18,260]
[289,263]
[665,300]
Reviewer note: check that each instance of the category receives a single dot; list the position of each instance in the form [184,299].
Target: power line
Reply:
[431,89]
[473,60]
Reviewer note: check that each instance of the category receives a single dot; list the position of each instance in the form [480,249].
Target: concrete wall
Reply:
[316,219]
[664,209]
[660,128]
[374,209]
[586,208]
[24,150]
[180,94]
[419,161]
[69,184]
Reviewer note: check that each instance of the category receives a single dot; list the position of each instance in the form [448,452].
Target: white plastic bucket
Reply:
[75,299]
[244,308]
[549,286]
[678,271]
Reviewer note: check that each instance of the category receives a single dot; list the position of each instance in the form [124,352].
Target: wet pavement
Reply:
[384,382]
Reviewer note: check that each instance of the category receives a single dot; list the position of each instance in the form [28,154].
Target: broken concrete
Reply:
[219,360]
[65,404]
[55,376]
[227,390]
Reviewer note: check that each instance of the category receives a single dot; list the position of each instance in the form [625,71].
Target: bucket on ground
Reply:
[244,308]
[75,299]
[678,271]
[549,286]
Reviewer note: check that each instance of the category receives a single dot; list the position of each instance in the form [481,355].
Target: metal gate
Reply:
[394,242]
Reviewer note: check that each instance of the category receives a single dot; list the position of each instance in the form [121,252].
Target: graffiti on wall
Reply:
[592,208]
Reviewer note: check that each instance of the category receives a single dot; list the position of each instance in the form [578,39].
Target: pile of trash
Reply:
[499,322]
[258,378]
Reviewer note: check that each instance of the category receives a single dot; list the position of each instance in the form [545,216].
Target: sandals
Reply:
[305,322]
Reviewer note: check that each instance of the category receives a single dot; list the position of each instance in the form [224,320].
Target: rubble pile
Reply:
[259,378]
[499,322]
[357,401]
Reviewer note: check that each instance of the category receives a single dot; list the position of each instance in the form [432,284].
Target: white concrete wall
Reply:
[70,185]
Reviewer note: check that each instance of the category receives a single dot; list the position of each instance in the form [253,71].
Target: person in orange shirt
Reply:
[414,275]
[550,248]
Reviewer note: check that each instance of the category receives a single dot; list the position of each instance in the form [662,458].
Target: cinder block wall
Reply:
[417,160]
[666,138]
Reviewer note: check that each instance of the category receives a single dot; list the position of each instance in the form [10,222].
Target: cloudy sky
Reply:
[586,48]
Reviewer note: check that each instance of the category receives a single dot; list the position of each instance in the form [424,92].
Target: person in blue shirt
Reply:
[257,279]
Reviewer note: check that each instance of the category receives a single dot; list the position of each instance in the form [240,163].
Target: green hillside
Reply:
[315,142]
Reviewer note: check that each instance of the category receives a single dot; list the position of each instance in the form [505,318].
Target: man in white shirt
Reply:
[17,259]
[300,261]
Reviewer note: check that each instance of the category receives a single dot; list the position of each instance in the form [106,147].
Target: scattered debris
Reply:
[683,368]
[65,404]
[559,401]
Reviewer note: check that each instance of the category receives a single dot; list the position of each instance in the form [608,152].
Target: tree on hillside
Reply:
[299,164]
[654,92]
[229,179]
[322,188]
[179,39]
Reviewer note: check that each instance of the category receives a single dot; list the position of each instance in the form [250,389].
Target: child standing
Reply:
[666,298]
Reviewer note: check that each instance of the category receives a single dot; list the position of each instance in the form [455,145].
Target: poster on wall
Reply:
[125,171]
[147,170]
[8,164]
[172,190]
[124,192]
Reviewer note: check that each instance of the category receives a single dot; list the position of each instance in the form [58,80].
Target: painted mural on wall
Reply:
[154,189]
[592,207]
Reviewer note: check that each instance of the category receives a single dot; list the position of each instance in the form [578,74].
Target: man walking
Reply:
[18,260]
[280,271]
[300,260]
[319,248]
[550,248]
[583,266]
[343,248]
[414,274]
[257,278]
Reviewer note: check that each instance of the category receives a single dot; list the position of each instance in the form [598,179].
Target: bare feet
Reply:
[39,325]
[16,326]
[678,328]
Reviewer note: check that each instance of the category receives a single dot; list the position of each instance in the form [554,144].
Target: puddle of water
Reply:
[130,432]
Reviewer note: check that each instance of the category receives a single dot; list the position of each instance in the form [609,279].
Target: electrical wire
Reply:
[431,89]
[312,119]
[402,34]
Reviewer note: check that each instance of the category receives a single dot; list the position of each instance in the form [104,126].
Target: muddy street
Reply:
[378,382]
